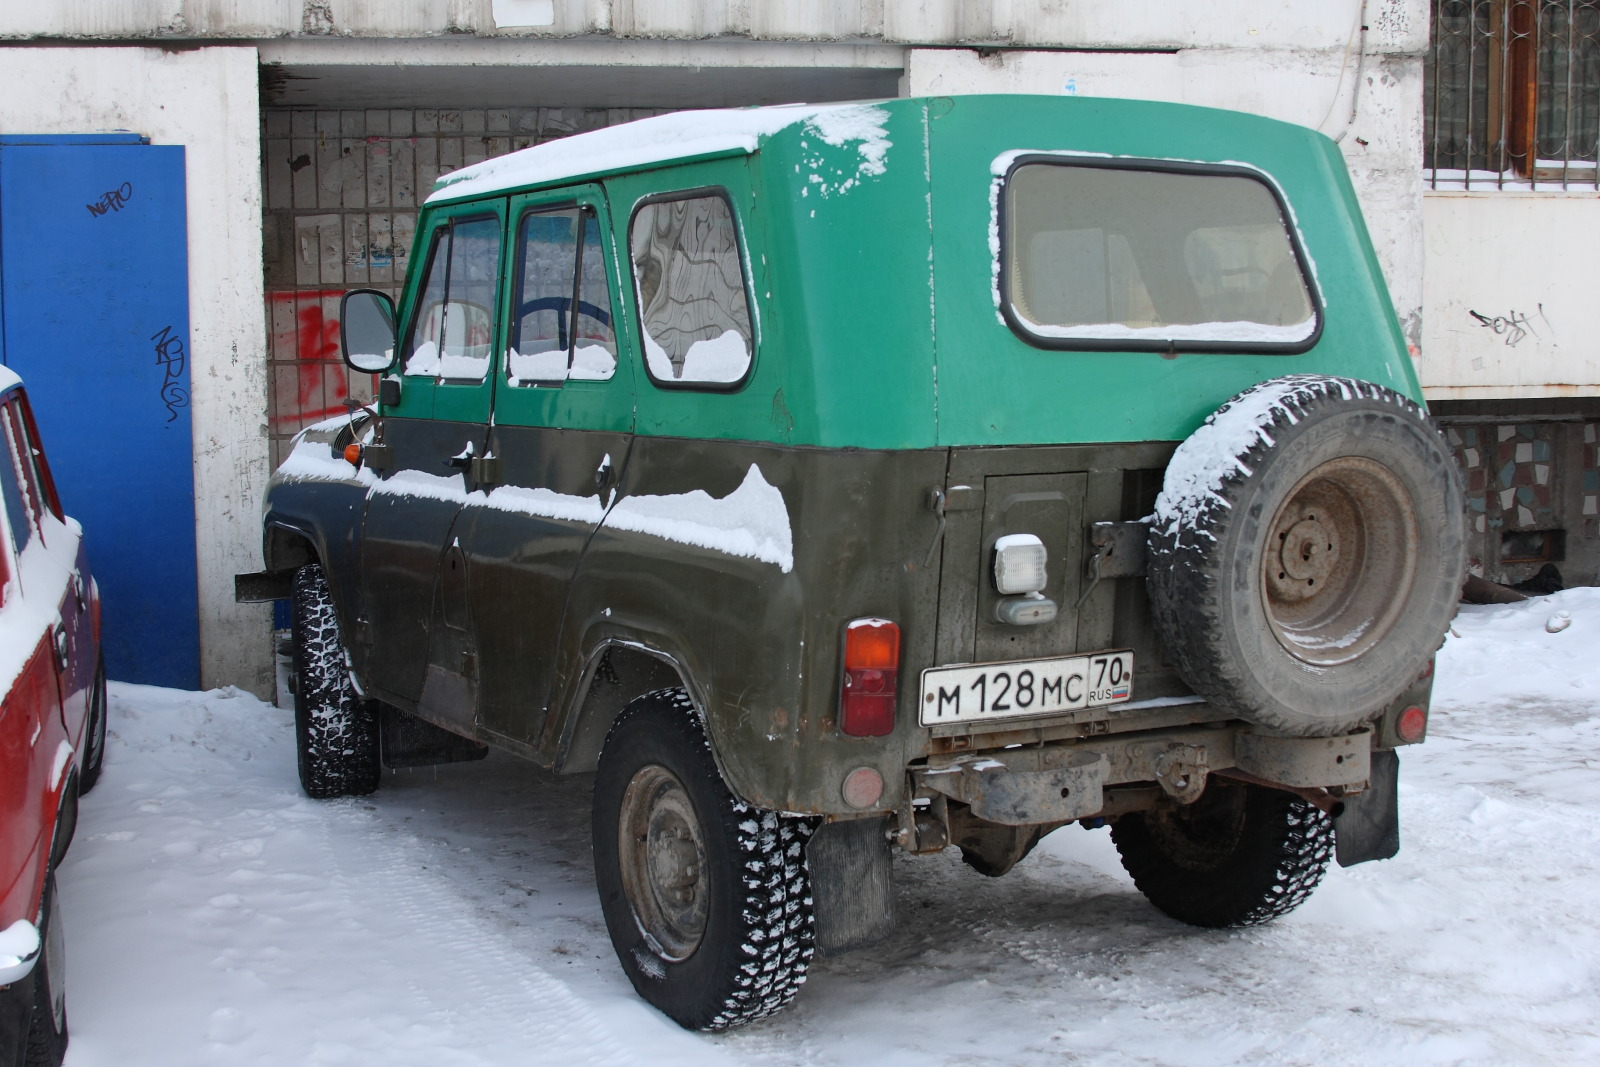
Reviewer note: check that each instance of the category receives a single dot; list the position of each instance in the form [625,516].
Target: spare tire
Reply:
[1307,552]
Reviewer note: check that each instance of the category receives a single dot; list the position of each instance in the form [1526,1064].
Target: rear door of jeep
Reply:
[560,437]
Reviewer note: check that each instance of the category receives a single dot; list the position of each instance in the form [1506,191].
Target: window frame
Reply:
[27,459]
[446,227]
[745,273]
[1517,57]
[1020,327]
[585,212]
[16,540]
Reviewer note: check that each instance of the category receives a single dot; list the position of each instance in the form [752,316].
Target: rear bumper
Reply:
[1066,781]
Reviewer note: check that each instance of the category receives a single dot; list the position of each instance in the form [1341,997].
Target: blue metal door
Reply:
[94,314]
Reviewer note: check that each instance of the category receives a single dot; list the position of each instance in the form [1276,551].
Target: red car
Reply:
[52,728]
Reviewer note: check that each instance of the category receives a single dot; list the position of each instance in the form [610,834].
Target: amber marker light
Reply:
[871,673]
[352,454]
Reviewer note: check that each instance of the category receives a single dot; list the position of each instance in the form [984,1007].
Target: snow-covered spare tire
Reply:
[1307,552]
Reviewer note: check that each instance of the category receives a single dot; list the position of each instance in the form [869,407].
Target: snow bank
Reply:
[217,917]
[1504,653]
[19,949]
[723,359]
[752,521]
[1242,332]
[44,569]
[665,138]
[1216,450]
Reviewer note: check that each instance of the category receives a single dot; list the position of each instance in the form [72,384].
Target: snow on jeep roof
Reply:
[667,138]
[8,378]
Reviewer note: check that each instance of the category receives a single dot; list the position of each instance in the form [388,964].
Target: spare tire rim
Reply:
[1340,561]
[663,861]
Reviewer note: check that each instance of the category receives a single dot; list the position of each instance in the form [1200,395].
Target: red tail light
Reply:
[871,675]
[1412,724]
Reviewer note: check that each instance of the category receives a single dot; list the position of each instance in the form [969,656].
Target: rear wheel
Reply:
[336,731]
[707,899]
[47,1025]
[1238,856]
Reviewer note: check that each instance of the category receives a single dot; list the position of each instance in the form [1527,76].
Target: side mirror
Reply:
[366,330]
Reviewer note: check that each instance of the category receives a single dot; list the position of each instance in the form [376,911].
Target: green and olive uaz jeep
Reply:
[835,480]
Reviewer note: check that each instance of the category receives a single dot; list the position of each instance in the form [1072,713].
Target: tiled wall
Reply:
[342,189]
[1531,476]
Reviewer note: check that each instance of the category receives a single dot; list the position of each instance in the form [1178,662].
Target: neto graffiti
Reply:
[112,200]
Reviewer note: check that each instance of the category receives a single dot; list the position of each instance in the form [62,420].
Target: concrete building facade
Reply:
[314,129]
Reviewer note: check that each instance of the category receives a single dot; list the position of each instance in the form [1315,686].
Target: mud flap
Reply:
[410,742]
[1369,826]
[852,888]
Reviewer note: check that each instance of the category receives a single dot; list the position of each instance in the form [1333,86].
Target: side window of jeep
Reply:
[1097,256]
[452,330]
[694,309]
[561,316]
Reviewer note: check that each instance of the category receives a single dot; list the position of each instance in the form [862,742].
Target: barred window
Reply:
[1512,94]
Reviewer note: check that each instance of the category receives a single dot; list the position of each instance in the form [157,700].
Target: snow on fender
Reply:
[1307,552]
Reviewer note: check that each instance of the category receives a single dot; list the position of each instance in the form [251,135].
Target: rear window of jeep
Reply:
[1112,256]
[694,309]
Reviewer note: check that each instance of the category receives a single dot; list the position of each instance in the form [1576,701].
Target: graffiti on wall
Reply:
[112,200]
[170,357]
[1514,326]
[309,379]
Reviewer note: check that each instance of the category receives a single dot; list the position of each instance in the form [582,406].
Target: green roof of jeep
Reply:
[870,234]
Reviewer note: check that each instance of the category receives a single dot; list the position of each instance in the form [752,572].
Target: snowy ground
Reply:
[217,917]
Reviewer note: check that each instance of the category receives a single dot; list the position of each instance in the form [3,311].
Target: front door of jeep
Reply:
[560,436]
[437,438]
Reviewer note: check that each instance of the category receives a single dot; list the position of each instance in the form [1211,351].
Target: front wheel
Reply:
[1238,856]
[95,733]
[707,899]
[335,730]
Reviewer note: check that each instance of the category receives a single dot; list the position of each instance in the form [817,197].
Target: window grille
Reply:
[1512,94]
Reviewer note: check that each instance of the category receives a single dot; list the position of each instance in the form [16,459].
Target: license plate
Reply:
[985,691]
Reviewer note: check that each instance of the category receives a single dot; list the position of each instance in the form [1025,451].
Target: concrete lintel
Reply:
[579,52]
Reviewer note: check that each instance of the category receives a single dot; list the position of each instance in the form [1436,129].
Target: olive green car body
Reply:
[903,421]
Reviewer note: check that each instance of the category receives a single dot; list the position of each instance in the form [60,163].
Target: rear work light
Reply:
[871,673]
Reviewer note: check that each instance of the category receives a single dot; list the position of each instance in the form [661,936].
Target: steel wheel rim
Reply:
[1339,561]
[663,863]
[55,955]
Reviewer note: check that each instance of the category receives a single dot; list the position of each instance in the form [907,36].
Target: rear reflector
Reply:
[862,788]
[871,672]
[1412,724]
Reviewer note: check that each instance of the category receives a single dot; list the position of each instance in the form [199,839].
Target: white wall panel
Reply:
[1510,299]
[1396,25]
